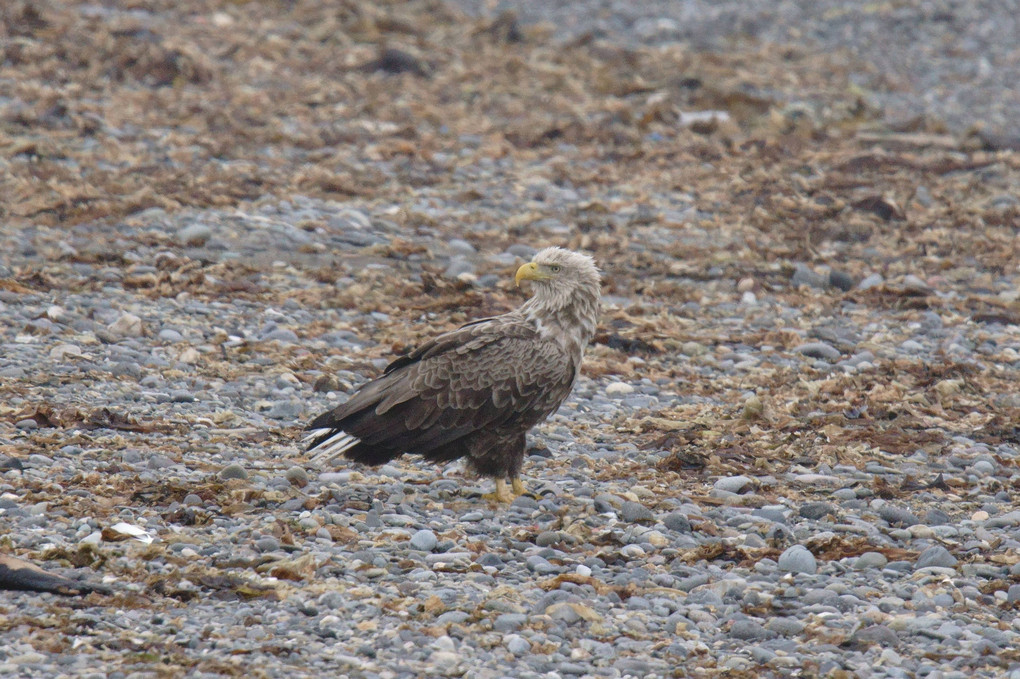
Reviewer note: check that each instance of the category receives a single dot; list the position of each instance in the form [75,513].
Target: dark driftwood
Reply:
[18,574]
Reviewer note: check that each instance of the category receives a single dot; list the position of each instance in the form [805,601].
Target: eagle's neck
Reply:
[567,317]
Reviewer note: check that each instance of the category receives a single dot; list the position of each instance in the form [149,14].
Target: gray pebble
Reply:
[936,556]
[564,613]
[798,559]
[770,513]
[489,559]
[897,516]
[424,540]
[233,471]
[541,565]
[516,644]
[937,517]
[297,476]
[635,512]
[678,522]
[805,275]
[285,409]
[460,247]
[982,468]
[748,630]
[821,350]
[689,583]
[874,634]
[509,622]
[912,347]
[127,325]
[870,560]
[170,335]
[458,267]
[284,335]
[871,281]
[548,538]
[158,461]
[816,510]
[194,235]
[787,627]
[267,544]
[841,280]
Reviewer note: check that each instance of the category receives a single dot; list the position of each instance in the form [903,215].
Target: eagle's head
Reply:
[560,272]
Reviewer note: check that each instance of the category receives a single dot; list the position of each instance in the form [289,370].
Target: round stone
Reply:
[233,471]
[516,644]
[820,350]
[815,510]
[748,630]
[635,512]
[936,556]
[870,560]
[678,522]
[424,540]
[195,235]
[128,325]
[798,559]
[619,389]
[732,484]
[297,476]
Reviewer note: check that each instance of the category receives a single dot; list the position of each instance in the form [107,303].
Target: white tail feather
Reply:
[333,447]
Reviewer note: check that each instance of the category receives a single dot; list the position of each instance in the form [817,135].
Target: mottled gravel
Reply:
[769,467]
[951,62]
[404,570]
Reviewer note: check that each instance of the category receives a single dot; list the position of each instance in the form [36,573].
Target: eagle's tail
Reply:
[374,439]
[331,443]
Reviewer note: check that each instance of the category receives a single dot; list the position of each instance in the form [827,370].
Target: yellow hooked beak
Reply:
[528,272]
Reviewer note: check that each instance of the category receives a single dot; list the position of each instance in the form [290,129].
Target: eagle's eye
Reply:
[555,268]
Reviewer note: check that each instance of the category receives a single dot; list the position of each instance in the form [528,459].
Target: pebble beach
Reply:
[792,451]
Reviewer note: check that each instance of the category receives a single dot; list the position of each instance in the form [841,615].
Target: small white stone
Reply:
[56,313]
[732,484]
[632,551]
[619,389]
[655,538]
[92,538]
[445,643]
[128,325]
[922,532]
[582,570]
[189,355]
[817,480]
[65,351]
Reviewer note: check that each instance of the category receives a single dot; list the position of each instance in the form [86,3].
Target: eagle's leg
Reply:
[502,493]
[518,486]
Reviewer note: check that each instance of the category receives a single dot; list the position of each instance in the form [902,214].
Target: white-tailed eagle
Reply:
[474,392]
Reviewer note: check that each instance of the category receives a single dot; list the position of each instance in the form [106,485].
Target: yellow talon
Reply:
[502,493]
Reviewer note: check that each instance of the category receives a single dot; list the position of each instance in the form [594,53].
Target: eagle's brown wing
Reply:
[495,374]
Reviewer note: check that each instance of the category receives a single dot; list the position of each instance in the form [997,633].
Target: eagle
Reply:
[474,392]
